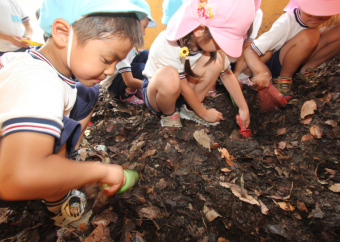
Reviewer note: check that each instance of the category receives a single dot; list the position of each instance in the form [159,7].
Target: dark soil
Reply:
[183,193]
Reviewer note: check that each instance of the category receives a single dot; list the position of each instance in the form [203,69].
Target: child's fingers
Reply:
[110,190]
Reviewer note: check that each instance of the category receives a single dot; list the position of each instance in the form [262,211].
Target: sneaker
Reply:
[185,113]
[72,212]
[171,121]
[139,94]
[308,76]
[132,99]
[212,92]
[284,84]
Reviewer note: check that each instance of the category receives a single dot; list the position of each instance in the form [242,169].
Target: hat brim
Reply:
[114,7]
[152,23]
[181,24]
[232,47]
[320,8]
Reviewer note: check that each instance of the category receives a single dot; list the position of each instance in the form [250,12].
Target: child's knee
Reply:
[309,38]
[170,79]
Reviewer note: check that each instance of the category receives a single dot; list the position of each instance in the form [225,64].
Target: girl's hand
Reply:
[212,115]
[114,179]
[245,119]
[16,40]
[262,80]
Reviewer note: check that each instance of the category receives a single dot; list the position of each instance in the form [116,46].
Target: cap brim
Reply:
[152,23]
[232,47]
[320,8]
[181,24]
[114,7]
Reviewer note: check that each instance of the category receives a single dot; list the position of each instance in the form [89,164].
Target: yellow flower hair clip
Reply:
[184,52]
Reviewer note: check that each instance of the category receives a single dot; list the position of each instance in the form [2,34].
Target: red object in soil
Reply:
[269,98]
[89,123]
[243,130]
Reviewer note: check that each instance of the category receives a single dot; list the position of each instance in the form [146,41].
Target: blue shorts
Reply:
[275,65]
[87,98]
[179,102]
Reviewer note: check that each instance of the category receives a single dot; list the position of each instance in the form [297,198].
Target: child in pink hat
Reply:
[277,55]
[184,64]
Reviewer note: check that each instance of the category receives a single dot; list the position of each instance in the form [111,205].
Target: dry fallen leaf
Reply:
[202,138]
[308,108]
[210,214]
[281,131]
[226,170]
[100,233]
[331,171]
[306,120]
[148,153]
[225,154]
[301,206]
[162,184]
[151,212]
[264,209]
[242,194]
[331,123]
[335,187]
[316,131]
[4,215]
[285,206]
[307,137]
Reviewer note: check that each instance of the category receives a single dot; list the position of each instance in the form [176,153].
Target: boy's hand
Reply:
[212,115]
[262,80]
[245,119]
[16,40]
[114,178]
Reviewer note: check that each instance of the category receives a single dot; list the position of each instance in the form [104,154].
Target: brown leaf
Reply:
[215,146]
[307,137]
[151,212]
[306,120]
[222,240]
[331,171]
[285,206]
[282,145]
[331,123]
[308,108]
[225,154]
[301,206]
[105,218]
[98,234]
[202,138]
[316,131]
[210,214]
[226,170]
[109,128]
[264,209]
[3,215]
[335,187]
[162,184]
[148,153]
[281,131]
[241,193]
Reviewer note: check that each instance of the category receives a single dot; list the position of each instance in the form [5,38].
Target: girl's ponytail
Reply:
[187,42]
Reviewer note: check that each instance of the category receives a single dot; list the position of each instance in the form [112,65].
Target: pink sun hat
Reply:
[227,20]
[315,7]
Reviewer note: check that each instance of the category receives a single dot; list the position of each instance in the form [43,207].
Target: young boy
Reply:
[289,43]
[47,97]
[127,79]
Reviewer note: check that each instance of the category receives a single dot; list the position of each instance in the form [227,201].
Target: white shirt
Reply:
[11,20]
[283,29]
[34,96]
[166,53]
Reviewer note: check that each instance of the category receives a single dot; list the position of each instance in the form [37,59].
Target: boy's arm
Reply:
[130,81]
[231,84]
[262,74]
[28,30]
[29,170]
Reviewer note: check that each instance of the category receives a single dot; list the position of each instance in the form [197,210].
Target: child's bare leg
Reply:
[84,123]
[328,47]
[298,50]
[164,89]
[208,75]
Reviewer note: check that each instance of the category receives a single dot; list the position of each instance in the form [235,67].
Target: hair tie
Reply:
[184,52]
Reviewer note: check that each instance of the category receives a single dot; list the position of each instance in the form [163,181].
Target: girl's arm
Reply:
[210,115]
[231,84]
[130,81]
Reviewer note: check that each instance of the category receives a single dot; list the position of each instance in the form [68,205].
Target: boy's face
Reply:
[144,23]
[313,21]
[94,61]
